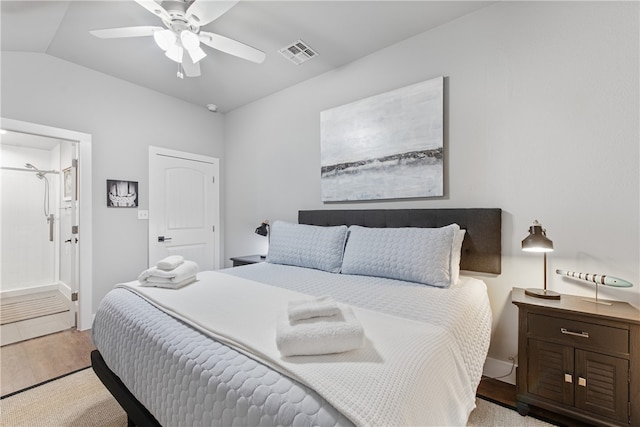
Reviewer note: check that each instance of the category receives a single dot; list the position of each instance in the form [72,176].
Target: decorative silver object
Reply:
[598,279]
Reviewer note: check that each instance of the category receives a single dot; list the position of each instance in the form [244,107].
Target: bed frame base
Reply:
[137,414]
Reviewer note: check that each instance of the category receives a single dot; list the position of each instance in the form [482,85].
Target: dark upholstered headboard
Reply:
[481,249]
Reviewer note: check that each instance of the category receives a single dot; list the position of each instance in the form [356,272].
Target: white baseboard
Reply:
[495,368]
[83,327]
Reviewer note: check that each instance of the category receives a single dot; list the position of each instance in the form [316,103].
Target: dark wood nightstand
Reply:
[579,359]
[247,259]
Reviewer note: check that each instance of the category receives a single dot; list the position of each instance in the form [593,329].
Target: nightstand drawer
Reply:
[605,338]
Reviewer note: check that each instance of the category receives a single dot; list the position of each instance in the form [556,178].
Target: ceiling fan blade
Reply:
[116,33]
[190,69]
[155,8]
[202,12]
[232,47]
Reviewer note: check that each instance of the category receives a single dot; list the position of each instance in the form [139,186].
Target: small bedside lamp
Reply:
[537,241]
[263,230]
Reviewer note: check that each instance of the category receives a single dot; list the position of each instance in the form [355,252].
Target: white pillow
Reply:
[308,246]
[422,255]
[456,252]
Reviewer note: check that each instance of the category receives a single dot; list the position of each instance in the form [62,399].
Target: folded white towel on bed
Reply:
[323,306]
[170,262]
[319,335]
[167,283]
[179,274]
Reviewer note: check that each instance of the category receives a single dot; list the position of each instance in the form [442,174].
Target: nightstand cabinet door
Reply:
[551,371]
[602,384]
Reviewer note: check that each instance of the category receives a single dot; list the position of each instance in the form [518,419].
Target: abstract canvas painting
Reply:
[388,146]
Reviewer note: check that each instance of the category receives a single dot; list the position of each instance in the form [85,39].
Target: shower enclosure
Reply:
[36,249]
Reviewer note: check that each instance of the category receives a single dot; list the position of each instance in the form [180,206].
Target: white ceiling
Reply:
[340,31]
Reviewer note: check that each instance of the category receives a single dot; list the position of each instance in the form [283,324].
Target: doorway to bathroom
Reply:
[38,257]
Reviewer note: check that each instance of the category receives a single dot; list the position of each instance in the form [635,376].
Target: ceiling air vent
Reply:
[298,52]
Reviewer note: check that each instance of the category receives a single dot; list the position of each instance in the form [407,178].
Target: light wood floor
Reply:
[31,362]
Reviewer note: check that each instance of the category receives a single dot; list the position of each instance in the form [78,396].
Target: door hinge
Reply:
[213,179]
[74,229]
[213,227]
[74,163]
[74,296]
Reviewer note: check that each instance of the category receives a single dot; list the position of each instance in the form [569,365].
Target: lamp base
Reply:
[542,293]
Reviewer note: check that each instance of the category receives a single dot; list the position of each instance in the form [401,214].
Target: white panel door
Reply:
[184,207]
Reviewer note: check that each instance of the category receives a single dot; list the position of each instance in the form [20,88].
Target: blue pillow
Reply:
[308,246]
[421,255]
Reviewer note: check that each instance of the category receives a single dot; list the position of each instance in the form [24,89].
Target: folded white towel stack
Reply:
[178,277]
[319,335]
[167,283]
[323,306]
[170,262]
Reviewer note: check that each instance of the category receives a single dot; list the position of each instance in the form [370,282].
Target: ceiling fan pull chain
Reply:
[180,73]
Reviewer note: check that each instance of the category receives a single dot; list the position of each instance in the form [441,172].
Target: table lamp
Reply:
[537,241]
[263,230]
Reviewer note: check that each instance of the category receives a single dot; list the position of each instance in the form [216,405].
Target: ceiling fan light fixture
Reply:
[196,54]
[189,40]
[165,39]
[175,53]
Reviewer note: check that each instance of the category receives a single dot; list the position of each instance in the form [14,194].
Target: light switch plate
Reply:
[142,214]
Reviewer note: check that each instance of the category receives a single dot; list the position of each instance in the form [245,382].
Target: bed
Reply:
[205,354]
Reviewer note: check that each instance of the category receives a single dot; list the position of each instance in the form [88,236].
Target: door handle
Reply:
[163,239]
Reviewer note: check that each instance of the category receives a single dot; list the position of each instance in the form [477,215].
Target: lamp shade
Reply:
[263,229]
[189,40]
[175,53]
[537,240]
[164,39]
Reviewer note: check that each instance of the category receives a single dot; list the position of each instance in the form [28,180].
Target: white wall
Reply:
[123,120]
[541,120]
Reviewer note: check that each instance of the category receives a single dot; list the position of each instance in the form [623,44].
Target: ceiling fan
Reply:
[181,36]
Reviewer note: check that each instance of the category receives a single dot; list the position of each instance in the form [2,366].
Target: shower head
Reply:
[40,174]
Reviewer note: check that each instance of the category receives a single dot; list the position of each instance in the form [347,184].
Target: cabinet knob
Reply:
[582,382]
[568,378]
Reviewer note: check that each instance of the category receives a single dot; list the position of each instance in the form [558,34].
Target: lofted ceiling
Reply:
[339,31]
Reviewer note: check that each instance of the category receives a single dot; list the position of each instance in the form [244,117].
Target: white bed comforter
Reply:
[387,382]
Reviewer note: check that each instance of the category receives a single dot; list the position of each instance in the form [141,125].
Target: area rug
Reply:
[80,399]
